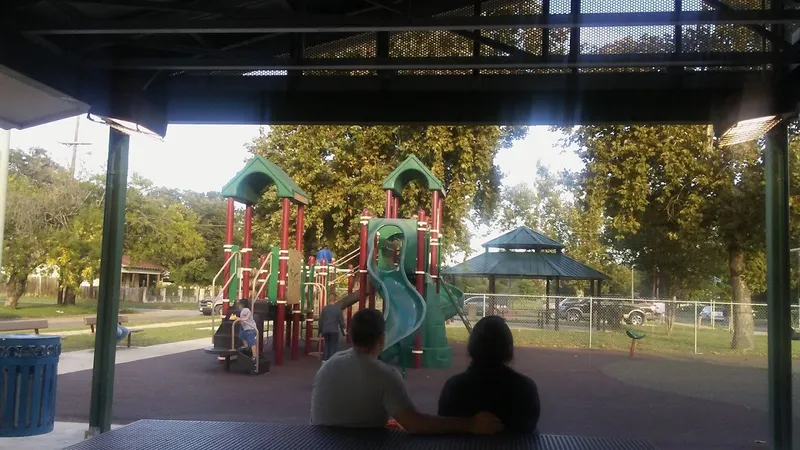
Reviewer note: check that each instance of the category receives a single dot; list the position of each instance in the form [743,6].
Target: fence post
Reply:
[696,320]
[484,305]
[591,319]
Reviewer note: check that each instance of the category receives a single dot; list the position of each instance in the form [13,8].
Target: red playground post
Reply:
[246,251]
[420,282]
[350,282]
[227,249]
[310,308]
[283,256]
[362,261]
[296,313]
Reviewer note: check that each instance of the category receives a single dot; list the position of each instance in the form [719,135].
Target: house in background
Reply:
[144,273]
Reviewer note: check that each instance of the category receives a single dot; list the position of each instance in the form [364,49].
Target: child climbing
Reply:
[248,333]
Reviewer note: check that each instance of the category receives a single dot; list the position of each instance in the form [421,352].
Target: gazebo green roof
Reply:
[256,176]
[524,238]
[530,265]
[411,169]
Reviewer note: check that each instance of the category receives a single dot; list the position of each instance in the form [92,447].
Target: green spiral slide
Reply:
[406,310]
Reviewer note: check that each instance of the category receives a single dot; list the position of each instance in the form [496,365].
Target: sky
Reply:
[204,157]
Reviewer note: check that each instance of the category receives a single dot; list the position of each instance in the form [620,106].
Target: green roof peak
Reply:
[524,238]
[259,174]
[409,170]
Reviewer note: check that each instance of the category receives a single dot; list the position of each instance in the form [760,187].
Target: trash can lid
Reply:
[27,337]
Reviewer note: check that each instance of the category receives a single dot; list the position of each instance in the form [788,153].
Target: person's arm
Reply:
[341,322]
[399,405]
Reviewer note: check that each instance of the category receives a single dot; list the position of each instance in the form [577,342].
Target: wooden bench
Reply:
[92,321]
[20,325]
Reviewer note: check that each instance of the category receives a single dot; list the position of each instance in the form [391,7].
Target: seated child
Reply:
[248,333]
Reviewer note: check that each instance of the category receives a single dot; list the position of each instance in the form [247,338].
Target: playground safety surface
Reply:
[578,397]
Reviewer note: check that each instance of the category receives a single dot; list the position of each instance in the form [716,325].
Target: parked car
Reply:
[208,304]
[478,302]
[576,310]
[720,313]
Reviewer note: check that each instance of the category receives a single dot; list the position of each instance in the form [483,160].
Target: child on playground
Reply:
[248,333]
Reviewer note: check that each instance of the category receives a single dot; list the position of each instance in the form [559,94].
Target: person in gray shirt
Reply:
[331,321]
[355,389]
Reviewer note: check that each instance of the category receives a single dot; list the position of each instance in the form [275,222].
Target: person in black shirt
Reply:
[489,384]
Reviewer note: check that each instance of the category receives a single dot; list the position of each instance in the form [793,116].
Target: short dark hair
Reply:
[366,328]
[491,342]
[244,303]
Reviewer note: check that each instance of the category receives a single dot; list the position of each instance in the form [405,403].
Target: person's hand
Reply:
[486,423]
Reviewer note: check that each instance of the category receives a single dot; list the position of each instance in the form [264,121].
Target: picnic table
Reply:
[191,435]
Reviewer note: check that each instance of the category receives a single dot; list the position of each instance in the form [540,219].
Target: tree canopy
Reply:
[341,168]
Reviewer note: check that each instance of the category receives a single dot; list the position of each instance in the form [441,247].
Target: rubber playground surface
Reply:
[672,403]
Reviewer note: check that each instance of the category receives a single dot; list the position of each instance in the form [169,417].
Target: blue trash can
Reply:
[28,372]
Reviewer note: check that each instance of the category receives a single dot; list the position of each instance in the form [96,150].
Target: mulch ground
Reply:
[577,398]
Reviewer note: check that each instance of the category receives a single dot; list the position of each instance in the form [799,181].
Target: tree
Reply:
[678,206]
[42,201]
[159,227]
[341,167]
[74,250]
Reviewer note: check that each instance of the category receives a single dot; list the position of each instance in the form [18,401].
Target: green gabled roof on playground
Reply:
[259,174]
[523,238]
[411,169]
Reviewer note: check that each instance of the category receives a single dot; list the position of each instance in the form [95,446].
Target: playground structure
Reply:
[398,259]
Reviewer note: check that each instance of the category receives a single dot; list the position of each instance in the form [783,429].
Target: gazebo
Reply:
[527,254]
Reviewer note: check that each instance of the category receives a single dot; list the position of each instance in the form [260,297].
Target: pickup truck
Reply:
[576,310]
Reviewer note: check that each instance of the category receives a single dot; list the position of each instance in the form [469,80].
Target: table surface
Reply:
[186,435]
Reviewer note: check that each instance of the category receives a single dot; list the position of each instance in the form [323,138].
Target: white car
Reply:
[478,302]
[720,313]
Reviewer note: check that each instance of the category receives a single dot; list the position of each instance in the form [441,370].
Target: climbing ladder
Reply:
[459,310]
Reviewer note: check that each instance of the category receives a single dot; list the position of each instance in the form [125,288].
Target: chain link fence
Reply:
[657,326]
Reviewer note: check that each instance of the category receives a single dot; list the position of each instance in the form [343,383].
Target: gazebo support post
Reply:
[558,302]
[547,301]
[492,311]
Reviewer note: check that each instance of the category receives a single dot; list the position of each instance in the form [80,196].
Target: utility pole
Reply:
[74,144]
[632,282]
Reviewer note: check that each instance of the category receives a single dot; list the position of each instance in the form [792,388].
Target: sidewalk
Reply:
[143,327]
[84,359]
[149,314]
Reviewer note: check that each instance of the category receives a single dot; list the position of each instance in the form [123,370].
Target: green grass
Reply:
[146,338]
[40,307]
[657,341]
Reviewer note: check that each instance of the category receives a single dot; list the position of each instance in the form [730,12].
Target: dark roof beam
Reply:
[446,63]
[293,23]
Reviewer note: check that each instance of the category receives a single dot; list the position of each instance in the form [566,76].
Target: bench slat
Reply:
[122,318]
[19,325]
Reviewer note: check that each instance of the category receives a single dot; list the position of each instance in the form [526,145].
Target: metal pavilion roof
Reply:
[537,261]
[523,238]
[529,265]
[401,61]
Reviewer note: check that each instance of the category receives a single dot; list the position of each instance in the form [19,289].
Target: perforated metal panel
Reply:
[186,435]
